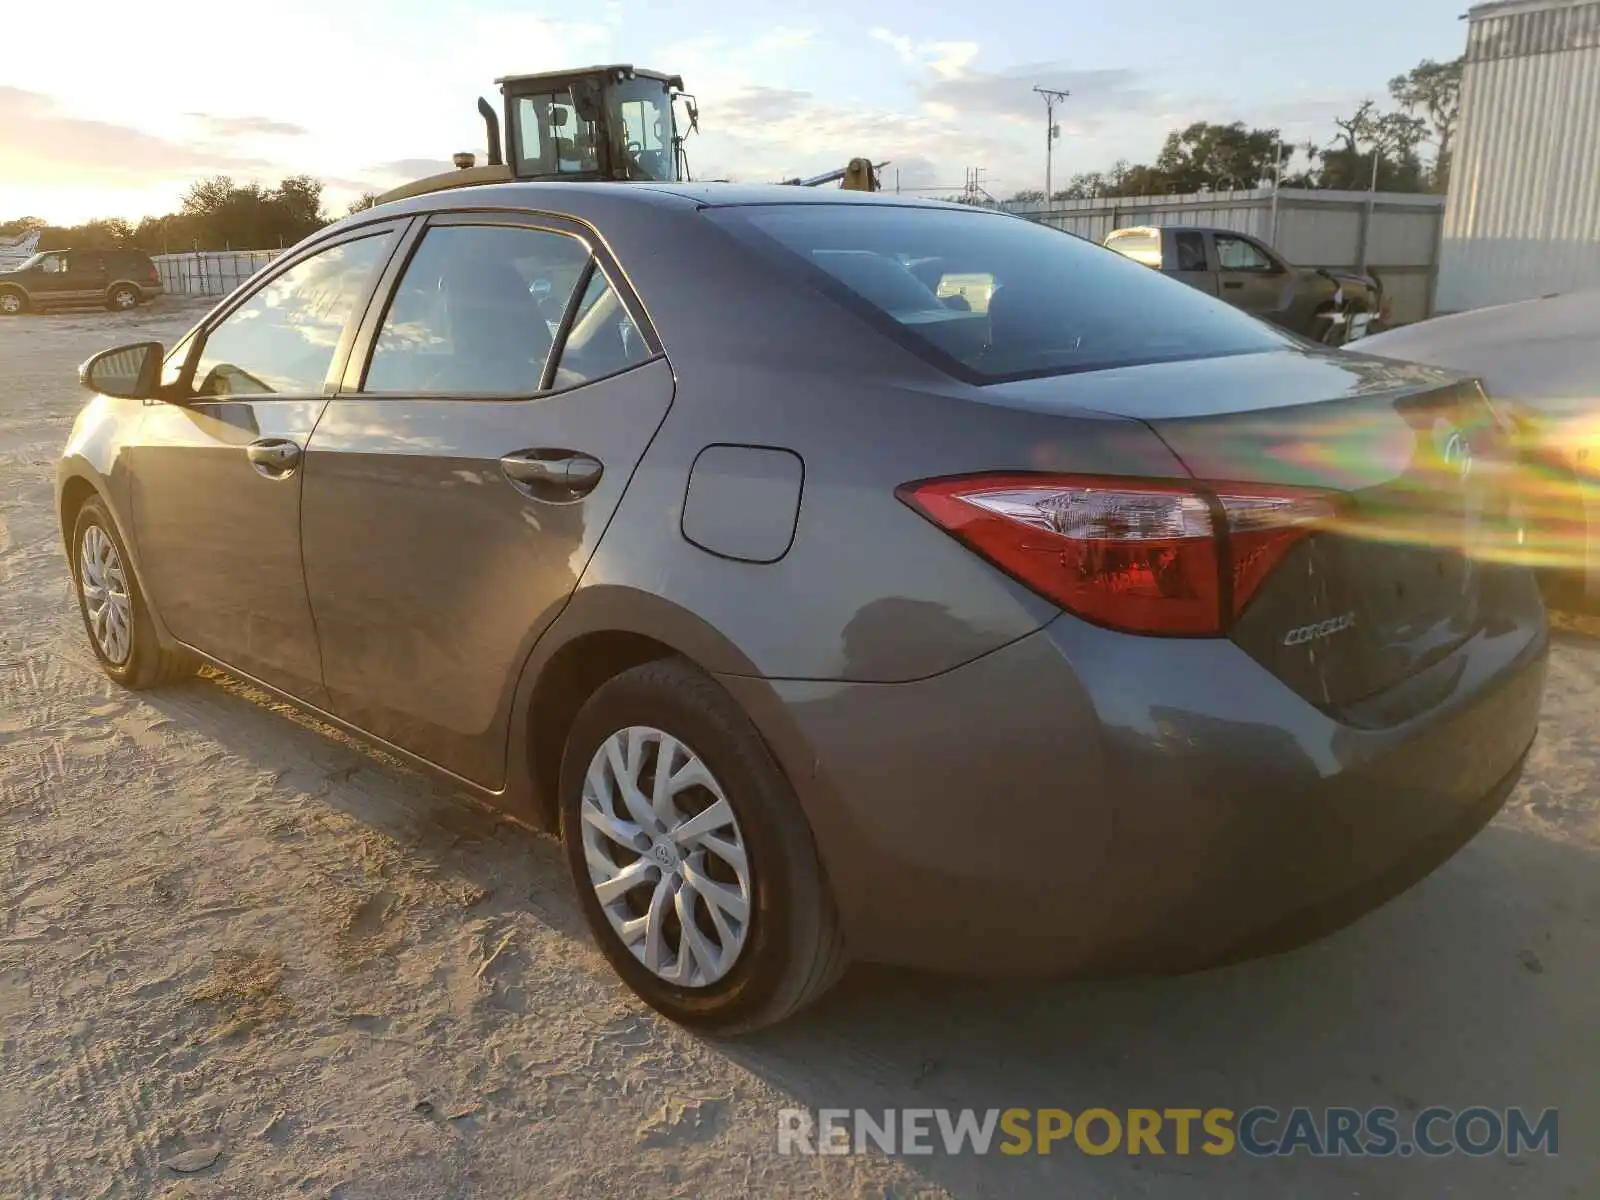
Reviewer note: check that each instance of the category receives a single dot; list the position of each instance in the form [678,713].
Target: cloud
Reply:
[248,126]
[783,38]
[1095,98]
[947,60]
[411,168]
[39,144]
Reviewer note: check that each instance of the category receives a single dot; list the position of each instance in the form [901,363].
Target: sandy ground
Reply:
[241,957]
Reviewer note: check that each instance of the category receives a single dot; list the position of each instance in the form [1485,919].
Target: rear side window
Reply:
[479,308]
[1055,303]
[1141,246]
[1191,249]
[603,339]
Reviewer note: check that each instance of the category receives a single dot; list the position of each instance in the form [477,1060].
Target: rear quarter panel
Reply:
[868,590]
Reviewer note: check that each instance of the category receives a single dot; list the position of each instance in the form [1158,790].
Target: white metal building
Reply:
[1523,217]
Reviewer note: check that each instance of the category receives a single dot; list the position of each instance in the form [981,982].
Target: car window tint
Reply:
[476,311]
[1236,254]
[603,338]
[1191,250]
[283,338]
[1057,303]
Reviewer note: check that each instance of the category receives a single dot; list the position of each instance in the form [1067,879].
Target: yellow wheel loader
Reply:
[615,122]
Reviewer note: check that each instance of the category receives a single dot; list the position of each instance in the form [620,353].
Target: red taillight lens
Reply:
[1145,556]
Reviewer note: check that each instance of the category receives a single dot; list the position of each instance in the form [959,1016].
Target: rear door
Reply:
[1186,260]
[85,276]
[457,485]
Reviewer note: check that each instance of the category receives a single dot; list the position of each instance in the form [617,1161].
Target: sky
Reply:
[111,108]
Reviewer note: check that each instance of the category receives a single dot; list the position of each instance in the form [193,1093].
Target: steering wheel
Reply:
[635,148]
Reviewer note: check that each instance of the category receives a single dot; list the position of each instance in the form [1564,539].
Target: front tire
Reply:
[122,298]
[12,302]
[114,611]
[694,866]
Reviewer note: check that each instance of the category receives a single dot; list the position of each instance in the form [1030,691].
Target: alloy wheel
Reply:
[105,595]
[123,298]
[666,857]
[10,303]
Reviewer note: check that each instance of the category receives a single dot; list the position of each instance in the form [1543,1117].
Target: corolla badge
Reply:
[1321,629]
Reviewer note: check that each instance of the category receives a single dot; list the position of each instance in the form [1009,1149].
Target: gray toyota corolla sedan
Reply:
[840,576]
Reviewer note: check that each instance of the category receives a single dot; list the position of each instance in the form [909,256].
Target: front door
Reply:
[47,281]
[455,491]
[1250,280]
[218,469]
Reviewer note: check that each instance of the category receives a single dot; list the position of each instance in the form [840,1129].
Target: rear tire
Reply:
[789,950]
[122,298]
[115,614]
[13,303]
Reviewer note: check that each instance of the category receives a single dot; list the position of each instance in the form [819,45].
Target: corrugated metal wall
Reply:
[209,272]
[1523,217]
[1398,237]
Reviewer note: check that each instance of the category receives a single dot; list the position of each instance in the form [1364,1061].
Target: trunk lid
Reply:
[1413,566]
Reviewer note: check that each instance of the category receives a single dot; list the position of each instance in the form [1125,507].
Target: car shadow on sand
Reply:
[1475,987]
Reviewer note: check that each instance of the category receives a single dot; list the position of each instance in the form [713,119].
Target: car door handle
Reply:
[1233,283]
[276,458]
[552,474]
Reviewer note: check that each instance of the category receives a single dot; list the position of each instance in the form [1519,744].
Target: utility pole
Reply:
[1051,132]
[1277,184]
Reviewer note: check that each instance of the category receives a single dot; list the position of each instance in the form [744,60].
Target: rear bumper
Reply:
[1082,801]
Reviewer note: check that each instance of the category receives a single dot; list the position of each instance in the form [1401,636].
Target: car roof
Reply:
[579,194]
[599,201]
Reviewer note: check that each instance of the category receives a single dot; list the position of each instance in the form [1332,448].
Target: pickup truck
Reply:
[1326,306]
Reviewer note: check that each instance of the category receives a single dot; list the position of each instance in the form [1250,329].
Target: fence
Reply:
[209,272]
[1392,235]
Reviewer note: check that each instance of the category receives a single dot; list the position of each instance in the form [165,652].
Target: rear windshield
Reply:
[990,297]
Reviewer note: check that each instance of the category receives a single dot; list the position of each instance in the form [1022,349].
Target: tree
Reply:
[1211,158]
[1367,135]
[21,227]
[1026,196]
[370,199]
[1431,91]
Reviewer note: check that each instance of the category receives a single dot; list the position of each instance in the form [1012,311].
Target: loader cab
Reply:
[613,122]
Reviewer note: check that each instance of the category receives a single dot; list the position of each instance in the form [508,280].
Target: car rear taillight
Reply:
[1144,556]
[152,276]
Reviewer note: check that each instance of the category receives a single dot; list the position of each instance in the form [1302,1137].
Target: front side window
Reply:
[476,311]
[1056,303]
[1236,254]
[643,110]
[283,338]
[53,264]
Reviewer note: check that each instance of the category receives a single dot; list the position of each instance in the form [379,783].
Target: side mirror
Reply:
[127,372]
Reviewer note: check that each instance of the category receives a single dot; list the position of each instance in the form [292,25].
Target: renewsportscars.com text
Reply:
[1260,1131]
